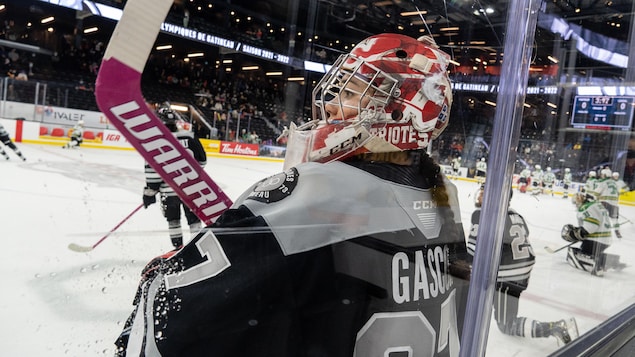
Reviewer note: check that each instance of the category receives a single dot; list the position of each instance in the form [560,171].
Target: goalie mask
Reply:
[391,93]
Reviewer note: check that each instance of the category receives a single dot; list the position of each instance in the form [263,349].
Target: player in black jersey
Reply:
[6,140]
[170,203]
[516,262]
[356,249]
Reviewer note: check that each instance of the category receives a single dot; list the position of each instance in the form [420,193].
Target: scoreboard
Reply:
[603,112]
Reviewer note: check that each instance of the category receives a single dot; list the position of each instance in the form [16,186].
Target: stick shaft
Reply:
[118,225]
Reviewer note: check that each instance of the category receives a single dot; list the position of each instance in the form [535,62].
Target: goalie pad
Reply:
[579,260]
[573,234]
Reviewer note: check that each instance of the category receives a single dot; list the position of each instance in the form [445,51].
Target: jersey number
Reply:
[209,247]
[409,332]
[520,248]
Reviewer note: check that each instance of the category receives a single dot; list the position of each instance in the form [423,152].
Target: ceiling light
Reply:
[180,108]
[2,7]
[454,62]
[197,54]
[91,29]
[273,74]
[295,79]
[164,47]
[443,29]
[553,59]
[46,20]
[413,13]
[490,103]
[227,61]
[249,68]
[552,105]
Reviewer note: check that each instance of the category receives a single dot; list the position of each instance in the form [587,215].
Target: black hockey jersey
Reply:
[320,260]
[517,255]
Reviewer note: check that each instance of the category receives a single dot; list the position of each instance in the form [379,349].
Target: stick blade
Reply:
[550,249]
[79,248]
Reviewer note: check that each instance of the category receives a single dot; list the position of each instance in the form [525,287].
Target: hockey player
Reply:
[590,183]
[548,180]
[516,262]
[608,194]
[594,231]
[77,135]
[481,170]
[356,247]
[6,140]
[567,179]
[621,185]
[170,203]
[524,180]
[456,166]
[536,180]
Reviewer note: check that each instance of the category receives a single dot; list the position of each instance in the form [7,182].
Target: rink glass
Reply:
[547,84]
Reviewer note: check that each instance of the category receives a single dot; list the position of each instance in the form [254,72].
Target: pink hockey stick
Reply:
[119,97]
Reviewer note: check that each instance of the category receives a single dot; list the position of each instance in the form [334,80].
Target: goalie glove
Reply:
[149,197]
[572,234]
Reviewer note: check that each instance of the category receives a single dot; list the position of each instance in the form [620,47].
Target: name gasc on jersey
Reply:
[424,278]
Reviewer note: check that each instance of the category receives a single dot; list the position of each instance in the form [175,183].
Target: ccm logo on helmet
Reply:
[346,144]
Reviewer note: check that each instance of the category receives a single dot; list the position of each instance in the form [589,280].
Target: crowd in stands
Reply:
[244,102]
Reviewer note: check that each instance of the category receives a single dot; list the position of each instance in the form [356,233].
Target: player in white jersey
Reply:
[608,194]
[590,183]
[621,185]
[77,135]
[456,166]
[548,180]
[481,170]
[536,180]
[567,179]
[594,231]
[524,180]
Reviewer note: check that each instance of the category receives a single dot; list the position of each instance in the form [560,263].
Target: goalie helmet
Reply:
[581,198]
[391,93]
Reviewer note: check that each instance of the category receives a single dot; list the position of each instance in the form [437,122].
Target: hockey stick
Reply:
[119,97]
[83,249]
[552,250]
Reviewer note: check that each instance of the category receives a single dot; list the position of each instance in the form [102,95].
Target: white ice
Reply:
[56,302]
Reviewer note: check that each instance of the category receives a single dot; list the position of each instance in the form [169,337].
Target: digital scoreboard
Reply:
[603,112]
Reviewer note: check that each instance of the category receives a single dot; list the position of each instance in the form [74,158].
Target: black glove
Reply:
[572,234]
[149,197]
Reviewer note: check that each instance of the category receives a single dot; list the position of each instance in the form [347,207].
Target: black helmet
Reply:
[168,117]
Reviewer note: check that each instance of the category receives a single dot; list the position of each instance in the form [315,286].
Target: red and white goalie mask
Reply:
[391,93]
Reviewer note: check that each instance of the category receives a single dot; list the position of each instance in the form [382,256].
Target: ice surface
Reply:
[56,302]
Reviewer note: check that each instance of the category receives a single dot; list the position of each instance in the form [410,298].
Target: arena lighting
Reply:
[46,20]
[250,68]
[196,54]
[454,62]
[490,103]
[444,29]
[180,108]
[553,59]
[273,74]
[413,13]
[227,61]
[91,30]
[295,79]
[164,47]
[2,7]
[552,105]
